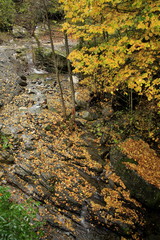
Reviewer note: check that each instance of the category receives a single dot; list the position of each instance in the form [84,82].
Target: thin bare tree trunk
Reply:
[55,61]
[37,40]
[70,76]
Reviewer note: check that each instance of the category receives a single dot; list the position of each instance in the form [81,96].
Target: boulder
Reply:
[82,97]
[19,32]
[22,82]
[88,115]
[139,174]
[44,59]
[75,79]
[23,77]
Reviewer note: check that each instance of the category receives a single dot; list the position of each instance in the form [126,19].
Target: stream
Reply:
[68,173]
[28,99]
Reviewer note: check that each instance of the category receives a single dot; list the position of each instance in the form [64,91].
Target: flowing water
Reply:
[39,85]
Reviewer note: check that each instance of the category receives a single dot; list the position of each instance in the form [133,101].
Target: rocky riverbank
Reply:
[68,172]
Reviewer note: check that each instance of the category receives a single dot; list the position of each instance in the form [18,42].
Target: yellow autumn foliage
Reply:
[119,43]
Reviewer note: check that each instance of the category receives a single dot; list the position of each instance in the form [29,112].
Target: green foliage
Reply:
[97,129]
[48,127]
[54,10]
[17,221]
[4,141]
[29,14]
[7,11]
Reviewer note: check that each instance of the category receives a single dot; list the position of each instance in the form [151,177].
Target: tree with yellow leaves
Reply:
[118,44]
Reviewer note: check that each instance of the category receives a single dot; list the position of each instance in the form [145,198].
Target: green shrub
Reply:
[17,221]
[7,11]
[4,141]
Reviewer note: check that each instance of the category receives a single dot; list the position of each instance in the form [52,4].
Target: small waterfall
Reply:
[40,71]
[31,63]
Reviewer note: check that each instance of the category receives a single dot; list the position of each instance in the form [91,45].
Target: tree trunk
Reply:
[55,61]
[37,40]
[70,76]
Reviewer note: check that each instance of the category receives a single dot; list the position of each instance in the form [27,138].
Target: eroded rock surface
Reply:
[68,172]
[8,75]
[139,170]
